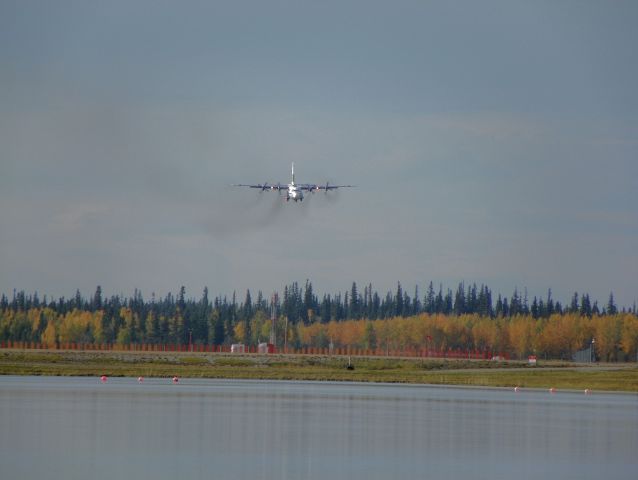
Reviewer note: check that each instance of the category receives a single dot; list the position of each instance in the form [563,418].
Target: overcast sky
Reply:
[492,142]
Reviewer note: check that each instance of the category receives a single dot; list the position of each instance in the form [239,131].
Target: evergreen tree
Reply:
[376,305]
[77,303]
[573,308]
[346,306]
[406,304]
[247,340]
[500,311]
[182,324]
[416,303]
[447,303]
[439,306]
[506,308]
[134,328]
[515,306]
[181,300]
[325,309]
[585,306]
[176,328]
[595,310]
[525,305]
[459,300]
[365,304]
[398,301]
[219,333]
[165,329]
[335,308]
[611,306]
[430,306]
[535,308]
[152,328]
[247,310]
[200,323]
[550,304]
[485,302]
[97,299]
[472,304]
[4,302]
[309,303]
[354,302]
[370,337]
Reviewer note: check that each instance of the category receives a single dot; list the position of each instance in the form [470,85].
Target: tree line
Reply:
[178,319]
[613,337]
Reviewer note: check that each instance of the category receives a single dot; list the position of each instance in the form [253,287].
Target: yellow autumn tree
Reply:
[485,334]
[384,334]
[334,333]
[607,331]
[629,335]
[309,334]
[75,327]
[239,330]
[521,332]
[562,335]
[352,333]
[49,336]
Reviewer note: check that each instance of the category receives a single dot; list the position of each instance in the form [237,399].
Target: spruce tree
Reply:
[535,308]
[398,301]
[447,303]
[308,303]
[611,305]
[97,299]
[550,304]
[500,312]
[354,302]
[430,300]
[585,306]
[439,305]
[459,300]
[573,308]
[416,303]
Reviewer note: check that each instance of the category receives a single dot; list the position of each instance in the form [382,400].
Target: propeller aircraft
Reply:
[294,191]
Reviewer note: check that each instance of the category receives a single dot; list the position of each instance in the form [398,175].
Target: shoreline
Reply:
[391,370]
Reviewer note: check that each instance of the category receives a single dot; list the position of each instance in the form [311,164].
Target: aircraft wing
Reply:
[313,188]
[262,186]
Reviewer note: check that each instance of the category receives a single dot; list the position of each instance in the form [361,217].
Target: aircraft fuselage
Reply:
[294,193]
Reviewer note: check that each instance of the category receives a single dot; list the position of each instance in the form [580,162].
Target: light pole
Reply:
[190,340]
[593,351]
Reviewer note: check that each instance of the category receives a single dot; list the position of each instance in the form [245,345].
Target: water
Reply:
[77,428]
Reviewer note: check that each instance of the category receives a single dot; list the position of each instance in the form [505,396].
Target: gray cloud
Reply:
[486,147]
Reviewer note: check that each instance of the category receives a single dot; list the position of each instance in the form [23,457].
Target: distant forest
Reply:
[468,318]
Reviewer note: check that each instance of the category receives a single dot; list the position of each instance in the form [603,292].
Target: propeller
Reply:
[264,187]
[326,188]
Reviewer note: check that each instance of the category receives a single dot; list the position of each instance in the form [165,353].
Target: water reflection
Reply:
[78,428]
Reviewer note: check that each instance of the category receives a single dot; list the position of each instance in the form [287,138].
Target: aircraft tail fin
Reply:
[293,172]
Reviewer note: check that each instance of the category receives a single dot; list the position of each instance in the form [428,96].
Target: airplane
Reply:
[294,191]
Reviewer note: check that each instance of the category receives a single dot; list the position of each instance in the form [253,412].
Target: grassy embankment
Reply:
[560,375]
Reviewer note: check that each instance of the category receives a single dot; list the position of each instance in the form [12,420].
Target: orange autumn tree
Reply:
[607,332]
[522,330]
[629,336]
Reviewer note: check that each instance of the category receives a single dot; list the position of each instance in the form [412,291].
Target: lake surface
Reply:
[78,428]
